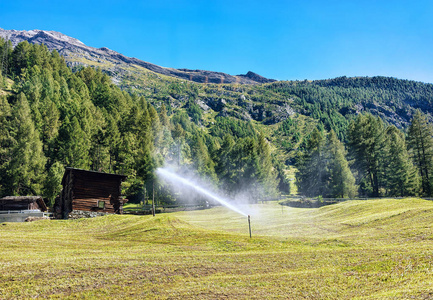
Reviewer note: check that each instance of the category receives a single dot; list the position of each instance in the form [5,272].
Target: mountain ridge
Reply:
[332,102]
[73,49]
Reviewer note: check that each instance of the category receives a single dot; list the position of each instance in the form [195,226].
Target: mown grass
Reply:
[357,249]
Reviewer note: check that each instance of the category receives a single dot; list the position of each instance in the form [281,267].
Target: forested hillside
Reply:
[345,136]
[52,118]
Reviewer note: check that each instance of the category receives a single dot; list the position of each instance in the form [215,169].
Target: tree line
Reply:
[381,160]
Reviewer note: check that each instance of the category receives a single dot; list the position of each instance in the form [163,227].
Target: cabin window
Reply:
[101,204]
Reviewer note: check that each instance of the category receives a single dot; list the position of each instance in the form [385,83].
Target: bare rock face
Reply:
[75,52]
[53,39]
[256,77]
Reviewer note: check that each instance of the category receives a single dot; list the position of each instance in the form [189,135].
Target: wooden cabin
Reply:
[89,191]
[18,203]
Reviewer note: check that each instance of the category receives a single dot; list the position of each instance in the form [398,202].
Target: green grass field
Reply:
[357,249]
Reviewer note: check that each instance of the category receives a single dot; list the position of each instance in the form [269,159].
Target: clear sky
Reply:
[284,40]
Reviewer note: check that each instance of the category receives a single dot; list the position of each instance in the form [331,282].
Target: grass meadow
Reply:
[375,249]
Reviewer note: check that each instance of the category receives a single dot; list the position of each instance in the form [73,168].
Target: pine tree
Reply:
[225,165]
[267,174]
[163,116]
[20,58]
[366,134]
[341,180]
[124,155]
[311,174]
[202,161]
[165,141]
[247,161]
[27,165]
[323,169]
[50,127]
[179,139]
[283,180]
[420,142]
[73,144]
[6,143]
[401,176]
[145,160]
[113,140]
[53,182]
[155,126]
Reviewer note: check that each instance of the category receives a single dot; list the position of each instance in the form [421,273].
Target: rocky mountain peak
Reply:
[257,78]
[35,36]
[77,53]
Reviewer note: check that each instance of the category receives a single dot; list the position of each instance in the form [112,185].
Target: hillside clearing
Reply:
[356,249]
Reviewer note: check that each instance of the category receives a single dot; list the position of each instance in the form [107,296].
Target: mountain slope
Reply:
[332,102]
[77,53]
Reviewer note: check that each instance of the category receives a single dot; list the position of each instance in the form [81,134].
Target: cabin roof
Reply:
[28,199]
[84,172]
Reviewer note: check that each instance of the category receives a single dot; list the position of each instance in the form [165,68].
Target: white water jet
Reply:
[175,178]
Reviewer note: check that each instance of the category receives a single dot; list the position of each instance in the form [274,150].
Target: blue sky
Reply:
[284,40]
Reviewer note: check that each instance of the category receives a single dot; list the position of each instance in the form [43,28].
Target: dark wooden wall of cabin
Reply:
[22,204]
[67,195]
[14,205]
[88,190]
[82,190]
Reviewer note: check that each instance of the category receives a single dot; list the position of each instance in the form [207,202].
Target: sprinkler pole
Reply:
[153,197]
[249,224]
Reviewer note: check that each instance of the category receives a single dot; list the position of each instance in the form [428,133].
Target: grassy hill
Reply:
[357,249]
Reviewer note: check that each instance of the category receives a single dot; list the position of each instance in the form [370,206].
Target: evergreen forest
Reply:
[343,137]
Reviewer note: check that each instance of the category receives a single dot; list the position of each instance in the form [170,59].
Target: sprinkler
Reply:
[249,224]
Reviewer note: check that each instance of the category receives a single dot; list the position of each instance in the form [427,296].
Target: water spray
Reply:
[175,178]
